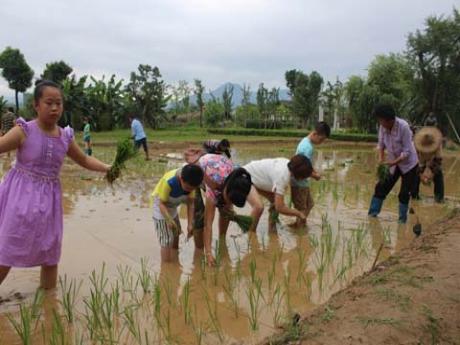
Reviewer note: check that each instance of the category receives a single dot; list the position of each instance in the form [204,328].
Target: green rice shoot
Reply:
[383,173]
[244,222]
[125,151]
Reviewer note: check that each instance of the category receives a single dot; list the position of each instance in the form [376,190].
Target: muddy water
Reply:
[262,278]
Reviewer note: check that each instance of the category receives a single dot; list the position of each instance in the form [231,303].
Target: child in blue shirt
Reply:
[300,189]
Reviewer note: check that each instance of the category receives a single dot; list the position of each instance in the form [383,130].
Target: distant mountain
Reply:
[237,94]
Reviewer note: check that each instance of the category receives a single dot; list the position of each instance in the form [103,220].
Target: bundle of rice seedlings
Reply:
[273,215]
[244,222]
[383,172]
[125,151]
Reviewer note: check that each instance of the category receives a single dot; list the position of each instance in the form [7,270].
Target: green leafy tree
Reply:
[56,71]
[435,56]
[244,111]
[333,101]
[106,103]
[393,77]
[75,101]
[149,93]
[214,112]
[198,91]
[3,104]
[305,91]
[16,71]
[353,90]
[227,97]
[262,100]
[181,97]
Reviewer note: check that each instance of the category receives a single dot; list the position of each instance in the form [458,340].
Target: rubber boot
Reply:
[90,152]
[403,208]
[375,207]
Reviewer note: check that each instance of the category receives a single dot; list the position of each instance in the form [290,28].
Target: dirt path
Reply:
[413,298]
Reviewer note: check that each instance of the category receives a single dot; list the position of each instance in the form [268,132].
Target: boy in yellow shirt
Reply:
[175,187]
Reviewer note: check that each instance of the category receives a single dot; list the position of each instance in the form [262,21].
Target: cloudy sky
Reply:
[242,41]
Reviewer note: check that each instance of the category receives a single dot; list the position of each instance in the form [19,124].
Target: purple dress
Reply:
[31,219]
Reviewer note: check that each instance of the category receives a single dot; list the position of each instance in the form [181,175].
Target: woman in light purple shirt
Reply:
[395,137]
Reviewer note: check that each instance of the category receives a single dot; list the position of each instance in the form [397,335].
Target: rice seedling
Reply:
[168,288]
[69,293]
[383,173]
[277,301]
[243,221]
[252,269]
[358,236]
[125,151]
[58,333]
[132,324]
[144,277]
[198,329]
[301,255]
[23,327]
[37,303]
[203,266]
[253,294]
[287,288]
[229,288]
[157,299]
[186,302]
[124,272]
[213,316]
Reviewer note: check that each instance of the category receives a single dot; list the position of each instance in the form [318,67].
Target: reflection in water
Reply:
[262,276]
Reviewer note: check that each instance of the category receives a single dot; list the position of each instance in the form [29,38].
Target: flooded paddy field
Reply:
[115,290]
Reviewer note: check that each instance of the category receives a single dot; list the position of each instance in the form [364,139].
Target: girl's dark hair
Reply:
[237,185]
[192,174]
[384,111]
[300,167]
[224,146]
[40,85]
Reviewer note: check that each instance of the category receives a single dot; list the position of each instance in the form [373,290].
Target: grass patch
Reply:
[329,314]
[402,274]
[390,295]
[292,332]
[432,326]
[291,133]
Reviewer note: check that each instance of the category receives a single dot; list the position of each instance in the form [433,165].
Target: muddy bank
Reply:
[412,298]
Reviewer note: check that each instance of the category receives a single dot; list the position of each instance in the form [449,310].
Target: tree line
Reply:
[424,78]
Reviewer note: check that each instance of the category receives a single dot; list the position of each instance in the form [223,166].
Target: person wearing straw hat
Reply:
[428,143]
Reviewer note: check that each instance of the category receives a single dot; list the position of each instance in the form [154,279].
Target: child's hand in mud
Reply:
[210,260]
[171,224]
[301,216]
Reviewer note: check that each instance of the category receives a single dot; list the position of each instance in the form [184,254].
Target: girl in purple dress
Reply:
[31,219]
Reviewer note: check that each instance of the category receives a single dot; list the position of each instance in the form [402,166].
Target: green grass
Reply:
[291,133]
[174,135]
[392,296]
[198,135]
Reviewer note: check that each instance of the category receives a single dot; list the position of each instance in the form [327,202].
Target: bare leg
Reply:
[198,238]
[255,201]
[4,270]
[168,254]
[48,277]
[223,225]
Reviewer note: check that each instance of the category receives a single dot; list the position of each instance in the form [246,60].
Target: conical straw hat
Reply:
[428,140]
